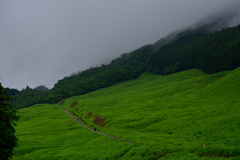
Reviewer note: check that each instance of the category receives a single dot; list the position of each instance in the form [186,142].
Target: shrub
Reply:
[61,102]
[100,121]
[74,104]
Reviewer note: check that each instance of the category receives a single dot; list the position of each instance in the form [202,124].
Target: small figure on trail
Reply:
[77,118]
[95,128]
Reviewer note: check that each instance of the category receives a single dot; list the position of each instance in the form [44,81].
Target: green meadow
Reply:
[186,115]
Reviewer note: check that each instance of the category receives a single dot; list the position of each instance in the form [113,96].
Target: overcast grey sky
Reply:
[42,41]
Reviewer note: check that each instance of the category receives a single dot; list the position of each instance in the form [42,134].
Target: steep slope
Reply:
[187,112]
[191,48]
[186,115]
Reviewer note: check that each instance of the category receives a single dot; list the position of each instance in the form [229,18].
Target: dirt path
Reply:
[93,129]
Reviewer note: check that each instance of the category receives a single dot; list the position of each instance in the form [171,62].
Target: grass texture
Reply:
[186,115]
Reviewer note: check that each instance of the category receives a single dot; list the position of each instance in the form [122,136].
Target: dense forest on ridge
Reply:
[191,48]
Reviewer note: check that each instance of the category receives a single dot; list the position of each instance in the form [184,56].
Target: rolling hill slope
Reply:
[186,115]
[189,49]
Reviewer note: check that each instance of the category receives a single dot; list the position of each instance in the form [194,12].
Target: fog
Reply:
[44,41]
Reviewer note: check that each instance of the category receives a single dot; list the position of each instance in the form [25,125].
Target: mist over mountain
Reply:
[208,44]
[211,23]
[182,50]
[229,17]
[44,41]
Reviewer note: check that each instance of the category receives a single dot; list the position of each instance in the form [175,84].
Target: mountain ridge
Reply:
[191,48]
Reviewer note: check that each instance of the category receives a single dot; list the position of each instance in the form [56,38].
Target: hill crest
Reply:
[192,48]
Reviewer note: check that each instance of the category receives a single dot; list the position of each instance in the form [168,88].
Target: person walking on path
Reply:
[95,128]
[77,118]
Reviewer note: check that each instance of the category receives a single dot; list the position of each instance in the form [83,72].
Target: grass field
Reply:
[187,115]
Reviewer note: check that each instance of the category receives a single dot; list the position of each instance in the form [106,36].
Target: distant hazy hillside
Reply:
[191,48]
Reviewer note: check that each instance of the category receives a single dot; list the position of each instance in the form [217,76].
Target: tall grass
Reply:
[187,115]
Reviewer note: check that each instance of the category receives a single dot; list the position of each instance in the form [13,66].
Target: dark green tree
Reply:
[8,140]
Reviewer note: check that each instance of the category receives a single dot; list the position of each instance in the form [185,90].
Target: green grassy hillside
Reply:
[186,115]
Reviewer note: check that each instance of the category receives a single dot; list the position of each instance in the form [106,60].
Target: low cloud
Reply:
[44,41]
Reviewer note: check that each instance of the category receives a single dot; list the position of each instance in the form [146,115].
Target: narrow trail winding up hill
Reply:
[93,129]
